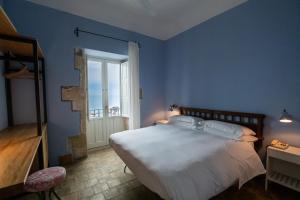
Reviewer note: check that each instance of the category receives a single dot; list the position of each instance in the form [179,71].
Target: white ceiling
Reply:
[160,19]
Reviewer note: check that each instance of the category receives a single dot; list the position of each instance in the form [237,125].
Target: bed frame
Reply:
[251,120]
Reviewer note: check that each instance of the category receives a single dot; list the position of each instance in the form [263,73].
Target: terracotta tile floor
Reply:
[101,177]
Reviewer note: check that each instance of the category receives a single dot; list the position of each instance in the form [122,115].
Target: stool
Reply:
[44,180]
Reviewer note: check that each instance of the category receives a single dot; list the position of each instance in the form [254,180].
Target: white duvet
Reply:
[185,164]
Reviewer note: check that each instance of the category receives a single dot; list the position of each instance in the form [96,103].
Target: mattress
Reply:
[183,163]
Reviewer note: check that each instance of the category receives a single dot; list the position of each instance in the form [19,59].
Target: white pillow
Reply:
[229,127]
[200,124]
[182,120]
[248,138]
[198,121]
[219,133]
[244,138]
[227,130]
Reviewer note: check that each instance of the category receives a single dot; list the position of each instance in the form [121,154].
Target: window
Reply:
[125,89]
[107,88]
[95,89]
[114,93]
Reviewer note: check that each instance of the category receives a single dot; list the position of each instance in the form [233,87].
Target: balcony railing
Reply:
[99,113]
[95,113]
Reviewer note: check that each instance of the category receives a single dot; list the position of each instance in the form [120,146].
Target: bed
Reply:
[181,163]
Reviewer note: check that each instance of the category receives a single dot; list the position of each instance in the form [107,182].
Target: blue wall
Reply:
[246,59]
[54,30]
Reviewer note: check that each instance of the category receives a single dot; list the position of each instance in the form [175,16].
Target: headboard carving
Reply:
[253,121]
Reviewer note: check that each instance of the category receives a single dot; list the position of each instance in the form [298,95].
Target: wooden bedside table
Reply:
[283,167]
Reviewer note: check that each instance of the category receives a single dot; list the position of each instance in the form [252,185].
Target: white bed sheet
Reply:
[185,164]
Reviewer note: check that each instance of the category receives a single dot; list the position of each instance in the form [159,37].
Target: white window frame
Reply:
[122,103]
[104,80]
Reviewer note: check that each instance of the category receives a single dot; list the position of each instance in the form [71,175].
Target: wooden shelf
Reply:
[16,48]
[29,75]
[23,149]
[23,73]
[285,180]
[18,148]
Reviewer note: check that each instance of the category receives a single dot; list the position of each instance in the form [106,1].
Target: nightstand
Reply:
[163,121]
[283,167]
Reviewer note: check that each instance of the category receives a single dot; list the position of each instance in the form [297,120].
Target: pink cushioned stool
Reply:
[44,180]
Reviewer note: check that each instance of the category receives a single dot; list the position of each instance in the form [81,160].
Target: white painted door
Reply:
[104,101]
[100,129]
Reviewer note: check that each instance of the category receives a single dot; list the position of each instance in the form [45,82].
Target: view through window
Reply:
[107,88]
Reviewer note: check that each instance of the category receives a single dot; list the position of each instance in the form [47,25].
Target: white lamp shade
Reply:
[285,117]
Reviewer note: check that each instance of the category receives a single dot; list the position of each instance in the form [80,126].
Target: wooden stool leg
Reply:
[55,194]
[50,191]
[41,195]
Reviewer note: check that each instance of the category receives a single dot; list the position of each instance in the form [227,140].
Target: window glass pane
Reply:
[95,89]
[113,76]
[125,89]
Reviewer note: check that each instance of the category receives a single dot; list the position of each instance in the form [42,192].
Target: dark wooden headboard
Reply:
[251,120]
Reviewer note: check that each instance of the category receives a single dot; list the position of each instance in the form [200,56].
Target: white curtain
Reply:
[134,83]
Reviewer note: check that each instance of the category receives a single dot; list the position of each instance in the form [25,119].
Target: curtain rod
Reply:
[77,31]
